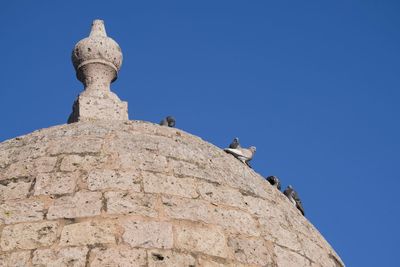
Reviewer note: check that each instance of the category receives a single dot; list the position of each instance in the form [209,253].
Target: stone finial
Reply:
[97,60]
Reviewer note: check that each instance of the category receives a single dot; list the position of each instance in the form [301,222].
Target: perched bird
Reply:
[235,143]
[242,154]
[294,198]
[168,121]
[274,181]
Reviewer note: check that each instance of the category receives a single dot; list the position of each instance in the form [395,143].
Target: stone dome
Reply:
[132,193]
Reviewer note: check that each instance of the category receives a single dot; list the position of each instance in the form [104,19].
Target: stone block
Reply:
[14,189]
[187,209]
[166,258]
[148,234]
[110,179]
[220,263]
[258,206]
[88,233]
[21,211]
[45,164]
[219,194]
[55,183]
[19,169]
[235,221]
[64,257]
[196,238]
[251,250]
[161,183]
[118,256]
[15,259]
[286,257]
[75,145]
[70,163]
[131,203]
[275,226]
[82,204]
[29,236]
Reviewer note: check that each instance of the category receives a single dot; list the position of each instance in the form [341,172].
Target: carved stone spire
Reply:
[97,60]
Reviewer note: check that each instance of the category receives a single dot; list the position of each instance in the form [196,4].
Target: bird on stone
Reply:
[235,143]
[294,198]
[168,121]
[242,154]
[274,181]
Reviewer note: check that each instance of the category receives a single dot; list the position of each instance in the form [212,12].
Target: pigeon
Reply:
[168,121]
[294,198]
[274,181]
[235,143]
[242,154]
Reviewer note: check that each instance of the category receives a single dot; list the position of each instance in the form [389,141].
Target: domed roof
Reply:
[131,193]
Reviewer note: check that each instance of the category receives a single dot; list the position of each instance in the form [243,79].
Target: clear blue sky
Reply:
[315,85]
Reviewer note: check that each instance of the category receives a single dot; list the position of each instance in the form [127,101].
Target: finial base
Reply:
[90,106]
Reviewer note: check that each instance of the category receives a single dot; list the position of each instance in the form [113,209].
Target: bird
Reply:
[274,181]
[168,121]
[242,154]
[294,198]
[235,143]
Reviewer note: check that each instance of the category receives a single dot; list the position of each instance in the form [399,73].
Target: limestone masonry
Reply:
[107,191]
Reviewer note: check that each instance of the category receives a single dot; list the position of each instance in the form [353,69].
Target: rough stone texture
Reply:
[65,257]
[131,203]
[148,234]
[110,179]
[10,190]
[82,204]
[16,259]
[206,240]
[29,236]
[110,193]
[118,256]
[165,258]
[57,183]
[21,211]
[88,233]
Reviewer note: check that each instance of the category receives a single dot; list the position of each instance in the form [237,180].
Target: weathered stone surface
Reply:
[170,185]
[110,179]
[166,258]
[21,211]
[10,190]
[221,263]
[15,259]
[131,203]
[70,163]
[90,232]
[235,221]
[251,250]
[55,183]
[140,172]
[45,164]
[219,194]
[188,209]
[82,204]
[206,240]
[65,257]
[148,234]
[118,256]
[74,145]
[29,236]
[285,257]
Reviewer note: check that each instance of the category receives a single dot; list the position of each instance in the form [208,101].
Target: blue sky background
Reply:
[313,84]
